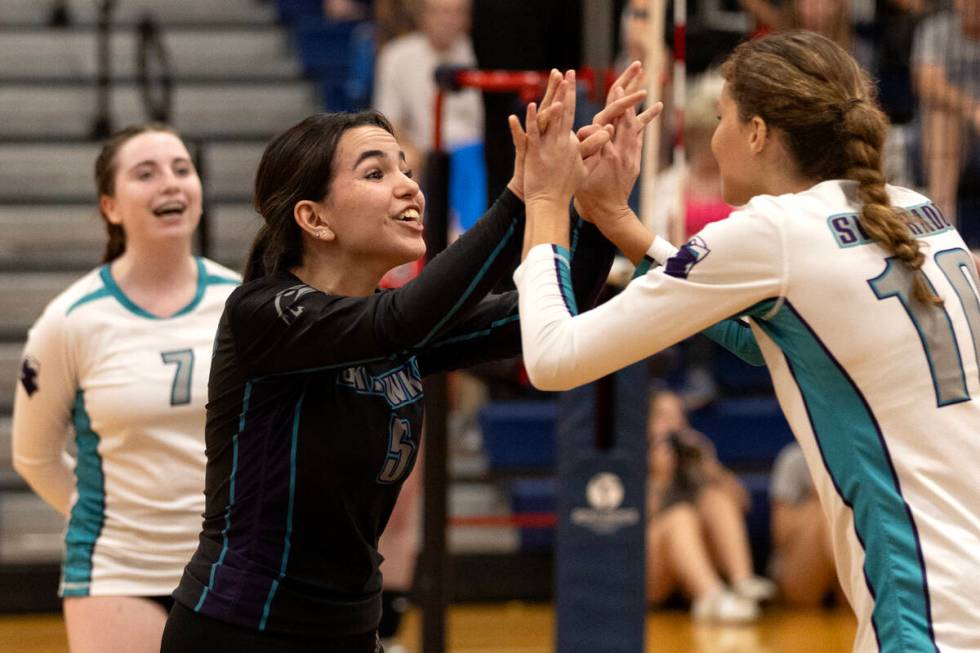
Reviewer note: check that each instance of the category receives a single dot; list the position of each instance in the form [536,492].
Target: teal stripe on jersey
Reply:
[112,288]
[231,498]
[91,297]
[642,267]
[88,513]
[563,266]
[479,275]
[857,458]
[576,232]
[202,285]
[215,280]
[289,514]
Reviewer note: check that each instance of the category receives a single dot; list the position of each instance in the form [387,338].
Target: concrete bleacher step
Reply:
[61,173]
[230,168]
[76,233]
[9,363]
[201,109]
[35,55]
[186,12]
[32,530]
[23,296]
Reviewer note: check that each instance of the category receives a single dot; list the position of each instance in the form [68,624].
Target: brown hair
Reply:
[105,179]
[812,91]
[297,165]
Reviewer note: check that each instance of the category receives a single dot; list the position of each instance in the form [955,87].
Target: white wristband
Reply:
[660,250]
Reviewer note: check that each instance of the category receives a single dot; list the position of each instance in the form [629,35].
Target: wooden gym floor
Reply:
[527,628]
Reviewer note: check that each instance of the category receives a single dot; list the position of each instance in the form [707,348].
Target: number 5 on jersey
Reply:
[401,451]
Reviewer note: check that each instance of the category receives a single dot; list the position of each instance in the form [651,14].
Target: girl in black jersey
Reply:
[315,392]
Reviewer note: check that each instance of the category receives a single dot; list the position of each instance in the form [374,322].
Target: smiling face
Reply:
[373,206]
[156,191]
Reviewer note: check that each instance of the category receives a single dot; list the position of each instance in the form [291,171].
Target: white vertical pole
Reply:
[655,65]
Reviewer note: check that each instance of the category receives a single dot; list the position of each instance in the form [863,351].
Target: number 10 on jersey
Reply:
[933,322]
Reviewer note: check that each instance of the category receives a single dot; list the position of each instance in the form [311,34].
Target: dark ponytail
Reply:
[297,165]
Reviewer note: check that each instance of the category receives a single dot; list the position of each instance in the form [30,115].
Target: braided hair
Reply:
[814,93]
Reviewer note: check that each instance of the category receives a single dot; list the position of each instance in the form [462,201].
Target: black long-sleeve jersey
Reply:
[314,418]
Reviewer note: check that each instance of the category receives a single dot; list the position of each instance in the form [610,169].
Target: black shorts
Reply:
[189,632]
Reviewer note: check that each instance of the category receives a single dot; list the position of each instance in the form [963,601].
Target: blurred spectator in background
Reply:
[344,10]
[392,18]
[539,35]
[634,26]
[946,70]
[802,562]
[696,530]
[831,18]
[688,198]
[404,88]
[894,27]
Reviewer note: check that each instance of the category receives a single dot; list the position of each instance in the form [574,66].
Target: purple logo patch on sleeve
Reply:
[30,368]
[690,254]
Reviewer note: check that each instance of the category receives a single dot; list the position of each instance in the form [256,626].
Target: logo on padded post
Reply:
[604,491]
[605,494]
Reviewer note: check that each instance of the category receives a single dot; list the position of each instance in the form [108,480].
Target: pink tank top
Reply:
[699,213]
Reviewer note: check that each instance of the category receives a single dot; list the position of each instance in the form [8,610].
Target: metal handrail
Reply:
[102,122]
[152,54]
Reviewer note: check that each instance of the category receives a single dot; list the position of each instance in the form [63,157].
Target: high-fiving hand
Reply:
[604,194]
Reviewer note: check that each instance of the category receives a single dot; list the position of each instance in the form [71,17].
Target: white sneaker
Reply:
[756,588]
[725,606]
[391,646]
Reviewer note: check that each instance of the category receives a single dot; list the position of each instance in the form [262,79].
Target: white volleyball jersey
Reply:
[879,389]
[131,388]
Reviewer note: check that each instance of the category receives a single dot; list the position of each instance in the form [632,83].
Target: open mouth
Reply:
[409,215]
[170,209]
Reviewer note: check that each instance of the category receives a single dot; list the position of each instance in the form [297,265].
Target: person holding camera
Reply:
[696,535]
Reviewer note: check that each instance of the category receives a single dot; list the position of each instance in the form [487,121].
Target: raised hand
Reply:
[605,193]
[516,183]
[554,161]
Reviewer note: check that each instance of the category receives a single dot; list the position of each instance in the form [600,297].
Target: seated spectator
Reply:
[946,75]
[696,534]
[802,562]
[405,90]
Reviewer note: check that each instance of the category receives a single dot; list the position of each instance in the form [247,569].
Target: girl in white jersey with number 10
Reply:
[119,361]
[859,297]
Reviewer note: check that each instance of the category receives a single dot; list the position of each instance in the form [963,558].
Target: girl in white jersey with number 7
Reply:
[120,361]
[860,298]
